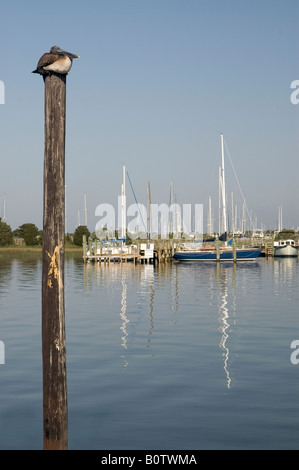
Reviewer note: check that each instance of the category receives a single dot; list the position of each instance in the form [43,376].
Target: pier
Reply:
[154,251]
[144,252]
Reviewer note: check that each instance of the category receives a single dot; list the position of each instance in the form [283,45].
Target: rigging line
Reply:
[136,199]
[244,201]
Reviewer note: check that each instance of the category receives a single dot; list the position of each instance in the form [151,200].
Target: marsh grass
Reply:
[14,251]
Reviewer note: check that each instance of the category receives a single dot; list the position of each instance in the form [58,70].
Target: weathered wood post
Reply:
[217,249]
[54,66]
[234,250]
[84,247]
[55,414]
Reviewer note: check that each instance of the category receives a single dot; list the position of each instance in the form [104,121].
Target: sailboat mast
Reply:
[210,217]
[123,205]
[170,219]
[223,188]
[85,210]
[219,201]
[149,215]
[233,221]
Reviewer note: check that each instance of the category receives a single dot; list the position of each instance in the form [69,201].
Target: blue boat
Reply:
[224,254]
[227,252]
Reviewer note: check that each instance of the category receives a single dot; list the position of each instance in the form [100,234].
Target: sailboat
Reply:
[226,252]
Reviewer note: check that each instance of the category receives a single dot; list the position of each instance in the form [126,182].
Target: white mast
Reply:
[176,218]
[85,210]
[65,202]
[149,214]
[219,201]
[210,231]
[123,205]
[236,217]
[233,221]
[279,218]
[170,219]
[223,188]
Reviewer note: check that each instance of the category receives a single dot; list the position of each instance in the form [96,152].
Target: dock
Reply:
[145,252]
[151,252]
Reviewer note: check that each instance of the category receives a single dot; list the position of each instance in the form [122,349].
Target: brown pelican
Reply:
[57,61]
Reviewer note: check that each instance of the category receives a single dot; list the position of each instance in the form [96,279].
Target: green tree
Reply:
[6,235]
[30,233]
[78,234]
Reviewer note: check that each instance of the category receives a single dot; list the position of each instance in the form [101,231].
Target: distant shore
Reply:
[16,250]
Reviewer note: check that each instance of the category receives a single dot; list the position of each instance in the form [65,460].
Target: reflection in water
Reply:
[174,291]
[5,283]
[124,308]
[222,283]
[227,277]
[284,272]
[156,351]
[5,276]
[223,319]
[147,290]
[224,280]
[120,279]
[223,309]
[206,327]
[21,274]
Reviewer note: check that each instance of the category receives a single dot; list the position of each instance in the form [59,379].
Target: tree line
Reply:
[31,235]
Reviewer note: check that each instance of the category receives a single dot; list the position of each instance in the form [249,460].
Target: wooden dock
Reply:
[144,252]
[269,249]
[113,258]
[161,251]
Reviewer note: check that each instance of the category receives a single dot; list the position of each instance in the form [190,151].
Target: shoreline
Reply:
[14,250]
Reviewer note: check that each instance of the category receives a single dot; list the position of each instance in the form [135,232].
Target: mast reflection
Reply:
[147,290]
[223,310]
[123,309]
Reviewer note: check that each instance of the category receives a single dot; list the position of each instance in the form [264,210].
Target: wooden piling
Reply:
[217,250]
[234,251]
[55,417]
[84,247]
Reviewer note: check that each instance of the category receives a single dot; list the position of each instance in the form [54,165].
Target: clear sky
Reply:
[156,83]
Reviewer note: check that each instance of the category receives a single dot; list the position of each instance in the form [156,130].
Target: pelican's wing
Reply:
[47,59]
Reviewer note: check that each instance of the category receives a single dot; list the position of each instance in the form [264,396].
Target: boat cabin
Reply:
[284,243]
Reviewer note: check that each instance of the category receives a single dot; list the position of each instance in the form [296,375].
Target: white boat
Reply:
[285,248]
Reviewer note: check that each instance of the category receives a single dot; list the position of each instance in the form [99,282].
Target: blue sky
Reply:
[156,83]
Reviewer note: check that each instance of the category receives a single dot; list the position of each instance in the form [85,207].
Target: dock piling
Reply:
[55,418]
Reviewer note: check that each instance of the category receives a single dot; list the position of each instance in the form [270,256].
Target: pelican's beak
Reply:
[70,55]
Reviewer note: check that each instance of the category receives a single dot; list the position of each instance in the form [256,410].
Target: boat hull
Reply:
[286,251]
[225,255]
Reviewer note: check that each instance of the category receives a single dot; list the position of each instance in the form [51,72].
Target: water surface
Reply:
[177,356]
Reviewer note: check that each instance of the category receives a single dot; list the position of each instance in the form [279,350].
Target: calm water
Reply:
[179,356]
